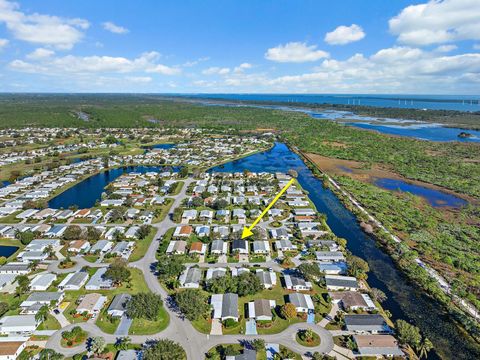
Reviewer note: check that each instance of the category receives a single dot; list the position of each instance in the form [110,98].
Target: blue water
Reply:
[431,133]
[412,128]
[161,146]
[87,192]
[404,300]
[431,102]
[434,197]
[7,251]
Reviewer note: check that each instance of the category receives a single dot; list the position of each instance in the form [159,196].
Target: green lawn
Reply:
[106,323]
[50,324]
[146,327]
[164,209]
[137,284]
[141,246]
[312,343]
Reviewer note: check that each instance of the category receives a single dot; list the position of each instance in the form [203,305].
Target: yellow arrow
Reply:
[247,231]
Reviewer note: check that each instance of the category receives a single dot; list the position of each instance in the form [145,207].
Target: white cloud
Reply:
[476,46]
[437,22]
[116,29]
[3,42]
[215,70]
[391,70]
[296,52]
[40,53]
[242,67]
[345,34]
[70,64]
[195,62]
[139,79]
[446,48]
[42,29]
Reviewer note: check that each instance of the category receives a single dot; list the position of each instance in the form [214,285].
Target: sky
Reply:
[243,46]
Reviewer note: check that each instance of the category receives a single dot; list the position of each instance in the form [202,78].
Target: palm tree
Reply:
[123,343]
[42,314]
[424,347]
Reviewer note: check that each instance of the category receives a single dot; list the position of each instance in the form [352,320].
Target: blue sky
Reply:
[253,46]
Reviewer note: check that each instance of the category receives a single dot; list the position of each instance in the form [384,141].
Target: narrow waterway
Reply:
[405,301]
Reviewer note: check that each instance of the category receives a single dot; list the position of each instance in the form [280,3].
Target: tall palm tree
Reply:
[424,347]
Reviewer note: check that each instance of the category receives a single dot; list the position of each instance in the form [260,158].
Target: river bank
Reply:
[410,270]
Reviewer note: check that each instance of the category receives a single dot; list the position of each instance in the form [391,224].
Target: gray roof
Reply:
[119,302]
[230,305]
[98,279]
[193,275]
[341,282]
[44,296]
[129,355]
[77,279]
[367,322]
[240,244]
[217,245]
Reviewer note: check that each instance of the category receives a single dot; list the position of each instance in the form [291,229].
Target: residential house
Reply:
[261,309]
[377,346]
[225,306]
[17,268]
[78,246]
[118,306]
[338,282]
[183,231]
[101,247]
[190,278]
[333,268]
[215,272]
[297,283]
[329,256]
[240,246]
[98,281]
[74,281]
[267,278]
[91,304]
[12,347]
[198,247]
[367,323]
[177,247]
[261,247]
[353,300]
[42,282]
[189,215]
[303,302]
[218,247]
[18,325]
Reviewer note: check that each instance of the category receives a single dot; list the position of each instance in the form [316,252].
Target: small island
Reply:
[464,134]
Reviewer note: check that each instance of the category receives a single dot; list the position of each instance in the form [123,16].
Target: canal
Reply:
[405,301]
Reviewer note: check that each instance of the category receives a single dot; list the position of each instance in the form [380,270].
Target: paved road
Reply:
[181,330]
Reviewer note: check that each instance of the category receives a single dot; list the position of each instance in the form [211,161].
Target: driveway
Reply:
[251,327]
[124,326]
[216,327]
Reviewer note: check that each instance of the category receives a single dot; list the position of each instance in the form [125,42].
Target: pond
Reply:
[434,197]
[405,301]
[160,146]
[86,193]
[7,251]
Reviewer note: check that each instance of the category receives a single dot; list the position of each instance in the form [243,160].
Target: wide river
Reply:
[405,301]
